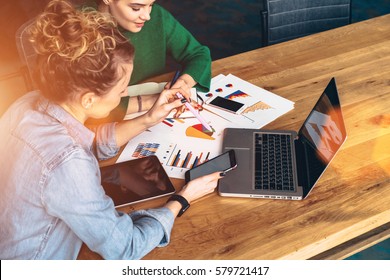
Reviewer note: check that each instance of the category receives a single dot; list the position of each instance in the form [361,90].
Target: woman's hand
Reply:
[201,186]
[185,81]
[166,102]
[196,189]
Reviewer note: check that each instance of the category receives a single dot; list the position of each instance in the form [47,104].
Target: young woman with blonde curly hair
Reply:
[51,197]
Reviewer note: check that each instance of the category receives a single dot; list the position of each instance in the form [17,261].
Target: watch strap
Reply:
[184,203]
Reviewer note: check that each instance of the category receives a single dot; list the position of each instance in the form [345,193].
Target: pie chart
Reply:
[199,131]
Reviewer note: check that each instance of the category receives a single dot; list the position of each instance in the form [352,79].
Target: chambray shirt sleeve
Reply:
[105,142]
[74,195]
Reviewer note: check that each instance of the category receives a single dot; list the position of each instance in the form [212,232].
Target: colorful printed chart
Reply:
[199,131]
[187,160]
[145,150]
[237,94]
[261,106]
[181,144]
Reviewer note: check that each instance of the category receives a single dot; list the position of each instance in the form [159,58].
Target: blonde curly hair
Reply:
[78,50]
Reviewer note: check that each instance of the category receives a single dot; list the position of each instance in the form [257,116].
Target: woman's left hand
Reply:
[185,82]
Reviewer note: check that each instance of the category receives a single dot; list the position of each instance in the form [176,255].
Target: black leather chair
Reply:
[283,20]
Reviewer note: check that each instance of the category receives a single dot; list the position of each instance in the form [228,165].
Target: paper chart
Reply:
[261,106]
[183,143]
[180,144]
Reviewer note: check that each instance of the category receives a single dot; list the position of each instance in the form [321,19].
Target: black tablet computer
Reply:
[135,181]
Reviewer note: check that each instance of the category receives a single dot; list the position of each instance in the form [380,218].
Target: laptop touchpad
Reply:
[243,174]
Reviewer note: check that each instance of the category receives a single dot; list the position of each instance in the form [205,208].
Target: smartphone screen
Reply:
[226,104]
[224,162]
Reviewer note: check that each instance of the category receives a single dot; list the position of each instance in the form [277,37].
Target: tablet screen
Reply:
[135,181]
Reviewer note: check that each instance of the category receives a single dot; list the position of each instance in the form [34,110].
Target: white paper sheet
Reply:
[262,106]
[179,143]
[183,143]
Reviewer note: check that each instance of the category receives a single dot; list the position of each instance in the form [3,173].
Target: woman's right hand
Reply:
[165,103]
[201,186]
[195,189]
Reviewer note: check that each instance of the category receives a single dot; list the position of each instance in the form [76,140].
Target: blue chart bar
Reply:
[176,159]
[196,161]
[187,162]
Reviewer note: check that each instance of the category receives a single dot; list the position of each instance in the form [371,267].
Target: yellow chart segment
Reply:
[193,131]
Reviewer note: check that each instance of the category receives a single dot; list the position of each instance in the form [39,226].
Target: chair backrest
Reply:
[283,20]
[27,54]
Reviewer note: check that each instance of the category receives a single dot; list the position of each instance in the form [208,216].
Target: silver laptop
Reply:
[285,164]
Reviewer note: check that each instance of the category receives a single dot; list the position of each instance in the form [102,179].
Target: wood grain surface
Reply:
[351,199]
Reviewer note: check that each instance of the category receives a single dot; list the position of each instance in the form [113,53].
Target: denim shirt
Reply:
[51,198]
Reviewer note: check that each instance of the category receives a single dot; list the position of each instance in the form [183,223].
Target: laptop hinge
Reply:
[302,168]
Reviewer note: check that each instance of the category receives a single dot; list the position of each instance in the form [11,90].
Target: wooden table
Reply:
[349,208]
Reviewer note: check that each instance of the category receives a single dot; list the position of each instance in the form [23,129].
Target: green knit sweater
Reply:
[163,35]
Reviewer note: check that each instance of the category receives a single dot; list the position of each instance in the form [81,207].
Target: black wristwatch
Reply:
[184,203]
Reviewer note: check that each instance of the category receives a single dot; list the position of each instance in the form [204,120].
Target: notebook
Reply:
[285,164]
[135,181]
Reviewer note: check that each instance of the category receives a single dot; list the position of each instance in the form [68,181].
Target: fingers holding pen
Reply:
[176,97]
[166,102]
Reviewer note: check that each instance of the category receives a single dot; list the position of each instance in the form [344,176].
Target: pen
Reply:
[188,105]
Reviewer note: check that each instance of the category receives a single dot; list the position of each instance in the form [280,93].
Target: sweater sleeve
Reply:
[194,58]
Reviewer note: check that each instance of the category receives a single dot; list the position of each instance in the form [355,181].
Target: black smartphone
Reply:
[227,104]
[224,162]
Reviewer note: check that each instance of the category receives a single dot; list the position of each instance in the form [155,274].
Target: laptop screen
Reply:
[322,134]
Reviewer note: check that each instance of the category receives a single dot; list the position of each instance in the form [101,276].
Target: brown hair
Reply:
[77,51]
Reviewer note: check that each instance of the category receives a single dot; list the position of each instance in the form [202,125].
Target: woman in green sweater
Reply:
[155,34]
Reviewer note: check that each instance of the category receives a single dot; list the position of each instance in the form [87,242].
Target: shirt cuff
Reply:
[106,146]
[164,216]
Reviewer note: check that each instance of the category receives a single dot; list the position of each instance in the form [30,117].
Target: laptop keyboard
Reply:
[273,162]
